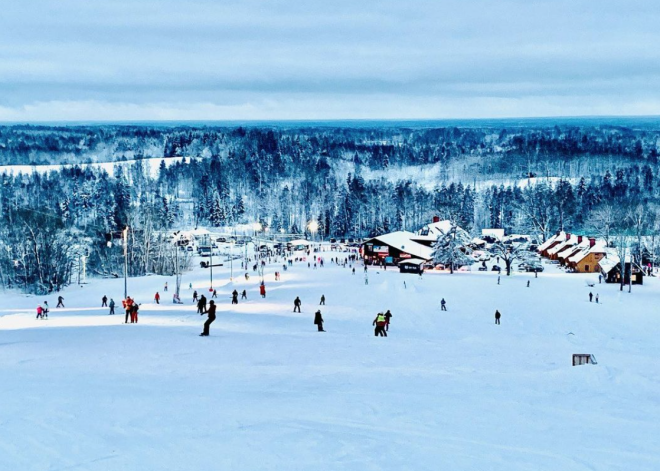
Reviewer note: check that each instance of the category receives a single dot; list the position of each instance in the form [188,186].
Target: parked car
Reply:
[483,268]
[496,268]
[534,268]
[189,248]
[221,240]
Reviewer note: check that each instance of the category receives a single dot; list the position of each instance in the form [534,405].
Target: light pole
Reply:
[124,234]
[211,261]
[313,226]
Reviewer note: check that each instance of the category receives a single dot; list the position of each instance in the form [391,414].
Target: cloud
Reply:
[270,59]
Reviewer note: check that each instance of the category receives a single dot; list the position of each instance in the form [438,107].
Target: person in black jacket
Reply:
[497,317]
[296,304]
[318,320]
[201,305]
[209,321]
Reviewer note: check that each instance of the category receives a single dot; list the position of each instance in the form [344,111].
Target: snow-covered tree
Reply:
[451,249]
[511,253]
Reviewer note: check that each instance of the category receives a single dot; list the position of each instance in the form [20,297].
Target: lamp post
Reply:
[313,227]
[124,234]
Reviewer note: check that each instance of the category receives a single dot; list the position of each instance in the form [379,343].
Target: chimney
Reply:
[579,239]
[436,218]
[568,236]
[592,241]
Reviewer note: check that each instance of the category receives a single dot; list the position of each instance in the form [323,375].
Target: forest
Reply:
[354,181]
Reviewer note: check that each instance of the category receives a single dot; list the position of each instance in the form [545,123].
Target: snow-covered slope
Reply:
[446,390]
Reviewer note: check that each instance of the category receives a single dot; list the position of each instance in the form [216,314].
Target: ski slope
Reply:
[445,391]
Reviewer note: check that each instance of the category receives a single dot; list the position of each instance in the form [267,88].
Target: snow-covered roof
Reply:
[551,240]
[402,240]
[585,249]
[610,260]
[412,261]
[572,240]
[300,242]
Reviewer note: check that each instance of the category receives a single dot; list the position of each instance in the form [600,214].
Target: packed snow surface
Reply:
[444,391]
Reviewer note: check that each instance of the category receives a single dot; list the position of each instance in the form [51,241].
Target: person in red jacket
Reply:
[157,298]
[40,312]
[134,313]
[262,290]
[128,304]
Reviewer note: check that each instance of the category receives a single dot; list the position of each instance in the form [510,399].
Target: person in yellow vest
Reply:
[380,322]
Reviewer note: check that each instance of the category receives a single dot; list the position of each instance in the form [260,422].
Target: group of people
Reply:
[44,309]
[131,308]
[382,323]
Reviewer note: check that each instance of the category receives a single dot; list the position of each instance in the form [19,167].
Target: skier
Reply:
[443,305]
[591,296]
[379,322]
[195,296]
[497,317]
[60,301]
[157,298]
[112,307]
[366,279]
[600,279]
[296,304]
[128,304]
[528,283]
[388,317]
[243,295]
[234,297]
[247,277]
[498,279]
[322,303]
[596,298]
[354,270]
[209,321]
[40,312]
[176,299]
[104,301]
[318,320]
[165,287]
[215,294]
[134,313]
[201,306]
[46,309]
[262,290]
[190,286]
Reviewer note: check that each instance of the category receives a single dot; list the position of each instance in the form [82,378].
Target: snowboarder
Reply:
[104,301]
[388,317]
[443,304]
[262,290]
[296,304]
[157,298]
[379,322]
[195,299]
[497,317]
[215,294]
[112,307]
[209,321]
[60,301]
[243,295]
[322,303]
[318,320]
[591,297]
[234,297]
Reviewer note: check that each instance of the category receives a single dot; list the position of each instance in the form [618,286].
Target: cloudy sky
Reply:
[332,59]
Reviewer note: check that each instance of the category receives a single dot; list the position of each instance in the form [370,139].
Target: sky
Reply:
[81,60]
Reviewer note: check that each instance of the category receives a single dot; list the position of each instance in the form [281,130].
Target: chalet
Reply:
[587,259]
[568,252]
[610,268]
[394,247]
[558,238]
[553,252]
[428,235]
[412,265]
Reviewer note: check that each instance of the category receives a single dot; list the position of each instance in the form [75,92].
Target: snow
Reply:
[445,390]
[560,236]
[152,166]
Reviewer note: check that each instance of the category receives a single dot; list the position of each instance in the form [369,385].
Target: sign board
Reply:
[381,249]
